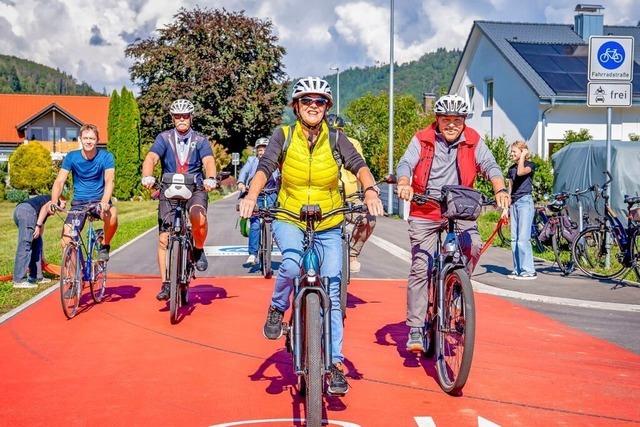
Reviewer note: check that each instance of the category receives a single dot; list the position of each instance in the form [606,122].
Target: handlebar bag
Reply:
[460,202]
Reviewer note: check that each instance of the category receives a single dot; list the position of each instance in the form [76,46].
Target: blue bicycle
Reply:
[308,333]
[80,263]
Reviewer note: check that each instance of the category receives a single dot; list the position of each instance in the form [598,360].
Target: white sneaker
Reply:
[513,275]
[251,259]
[43,281]
[527,276]
[354,265]
[24,285]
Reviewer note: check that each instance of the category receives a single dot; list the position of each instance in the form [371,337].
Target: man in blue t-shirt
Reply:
[181,150]
[93,174]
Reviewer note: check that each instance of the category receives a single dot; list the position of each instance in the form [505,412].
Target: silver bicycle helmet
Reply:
[181,106]
[312,85]
[262,142]
[451,105]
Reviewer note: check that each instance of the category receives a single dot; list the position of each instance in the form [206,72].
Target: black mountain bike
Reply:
[308,332]
[180,267]
[608,249]
[450,326]
[266,238]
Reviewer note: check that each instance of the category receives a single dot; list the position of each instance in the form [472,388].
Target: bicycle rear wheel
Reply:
[267,246]
[175,259]
[562,252]
[70,281]
[98,282]
[590,252]
[455,343]
[314,366]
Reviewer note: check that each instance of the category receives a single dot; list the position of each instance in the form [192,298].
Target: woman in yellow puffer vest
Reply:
[310,176]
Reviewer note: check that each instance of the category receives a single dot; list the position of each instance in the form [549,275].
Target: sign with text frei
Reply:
[610,58]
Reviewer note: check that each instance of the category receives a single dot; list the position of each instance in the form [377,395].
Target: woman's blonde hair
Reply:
[521,145]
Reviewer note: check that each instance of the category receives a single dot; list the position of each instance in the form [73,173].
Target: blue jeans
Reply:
[29,250]
[328,245]
[522,211]
[254,222]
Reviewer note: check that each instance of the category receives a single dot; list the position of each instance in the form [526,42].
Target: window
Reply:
[35,133]
[51,135]
[471,89]
[554,145]
[488,95]
[72,134]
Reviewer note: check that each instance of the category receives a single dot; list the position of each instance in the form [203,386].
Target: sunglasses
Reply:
[185,116]
[320,102]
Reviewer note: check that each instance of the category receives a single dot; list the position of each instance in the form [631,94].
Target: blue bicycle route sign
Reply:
[610,58]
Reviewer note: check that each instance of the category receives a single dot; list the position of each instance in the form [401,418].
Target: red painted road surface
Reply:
[122,363]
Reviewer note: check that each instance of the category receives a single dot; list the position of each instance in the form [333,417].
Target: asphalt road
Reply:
[574,300]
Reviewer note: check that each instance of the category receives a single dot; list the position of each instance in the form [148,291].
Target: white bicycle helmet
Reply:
[451,105]
[262,142]
[312,85]
[181,106]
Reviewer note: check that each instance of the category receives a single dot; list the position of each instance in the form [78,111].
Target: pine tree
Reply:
[125,145]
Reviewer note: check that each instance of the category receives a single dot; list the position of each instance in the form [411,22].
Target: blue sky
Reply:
[87,38]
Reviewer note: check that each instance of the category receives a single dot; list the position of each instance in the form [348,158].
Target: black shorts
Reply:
[167,208]
[82,217]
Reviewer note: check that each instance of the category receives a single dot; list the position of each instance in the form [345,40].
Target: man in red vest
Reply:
[445,153]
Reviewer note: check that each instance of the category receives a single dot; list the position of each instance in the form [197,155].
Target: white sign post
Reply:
[235,161]
[610,74]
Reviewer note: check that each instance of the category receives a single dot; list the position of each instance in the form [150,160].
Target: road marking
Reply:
[424,422]
[404,255]
[232,250]
[284,420]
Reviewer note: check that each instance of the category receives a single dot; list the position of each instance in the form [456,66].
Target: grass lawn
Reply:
[134,218]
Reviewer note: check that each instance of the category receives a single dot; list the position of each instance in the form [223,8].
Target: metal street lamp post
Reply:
[337,70]
[390,187]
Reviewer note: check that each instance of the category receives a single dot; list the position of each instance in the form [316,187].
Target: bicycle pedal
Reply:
[285,328]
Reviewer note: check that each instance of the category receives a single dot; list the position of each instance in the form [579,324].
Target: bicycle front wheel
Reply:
[267,246]
[562,252]
[313,359]
[174,267]
[70,281]
[455,343]
[98,281]
[594,256]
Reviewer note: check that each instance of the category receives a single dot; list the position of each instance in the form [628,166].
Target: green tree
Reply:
[30,168]
[124,143]
[542,178]
[226,63]
[500,150]
[222,156]
[368,122]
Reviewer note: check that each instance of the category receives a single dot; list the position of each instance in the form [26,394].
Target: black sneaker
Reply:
[415,343]
[338,385]
[103,253]
[165,291]
[201,259]
[273,326]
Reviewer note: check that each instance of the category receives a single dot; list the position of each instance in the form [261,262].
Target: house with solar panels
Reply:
[529,81]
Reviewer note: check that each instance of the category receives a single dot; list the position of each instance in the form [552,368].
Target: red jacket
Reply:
[467,167]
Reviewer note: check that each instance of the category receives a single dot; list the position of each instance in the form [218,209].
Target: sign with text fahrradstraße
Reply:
[609,94]
[610,58]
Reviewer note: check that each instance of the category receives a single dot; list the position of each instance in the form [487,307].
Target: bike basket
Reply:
[177,186]
[459,202]
[569,229]
[634,214]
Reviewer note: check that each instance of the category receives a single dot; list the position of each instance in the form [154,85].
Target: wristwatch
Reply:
[372,187]
[39,225]
[502,190]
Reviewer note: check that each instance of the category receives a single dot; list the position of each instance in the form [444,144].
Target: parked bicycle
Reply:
[80,262]
[308,332]
[178,189]
[449,330]
[540,218]
[608,249]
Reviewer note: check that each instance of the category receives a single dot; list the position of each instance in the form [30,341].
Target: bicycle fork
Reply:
[300,292]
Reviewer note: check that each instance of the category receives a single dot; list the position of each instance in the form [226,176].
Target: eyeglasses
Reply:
[320,102]
[185,116]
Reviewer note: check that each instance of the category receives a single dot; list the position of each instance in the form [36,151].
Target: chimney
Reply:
[589,20]
[428,98]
